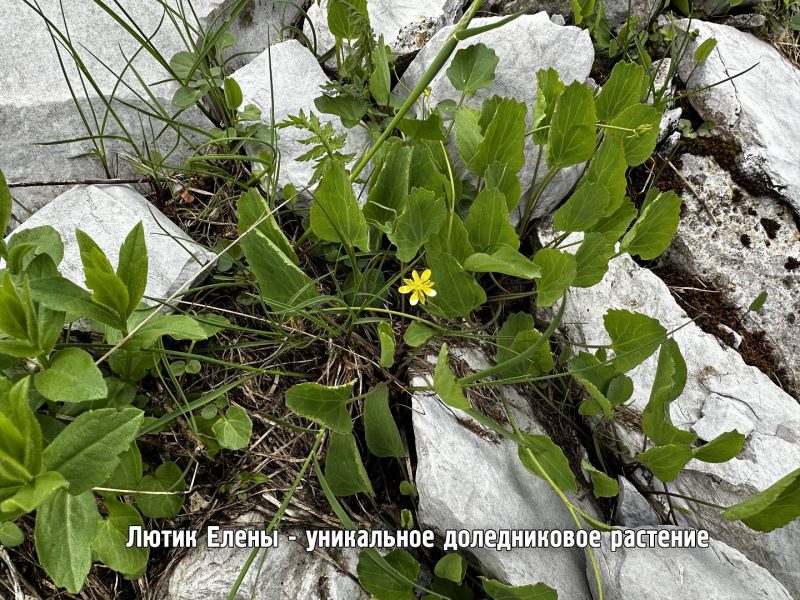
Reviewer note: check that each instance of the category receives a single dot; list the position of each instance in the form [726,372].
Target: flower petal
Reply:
[415,276]
[426,275]
[404,289]
[430,293]
[414,298]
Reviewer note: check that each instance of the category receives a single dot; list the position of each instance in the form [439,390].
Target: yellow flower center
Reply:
[419,286]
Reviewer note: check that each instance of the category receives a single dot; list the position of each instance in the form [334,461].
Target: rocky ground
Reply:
[739,236]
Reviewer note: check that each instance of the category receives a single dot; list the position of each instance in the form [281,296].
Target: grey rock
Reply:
[108,213]
[288,572]
[36,105]
[524,46]
[616,11]
[282,81]
[718,572]
[743,245]
[747,21]
[720,415]
[406,25]
[720,7]
[757,108]
[714,372]
[468,480]
[551,7]
[633,509]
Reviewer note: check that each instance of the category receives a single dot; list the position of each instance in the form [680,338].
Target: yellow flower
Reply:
[418,287]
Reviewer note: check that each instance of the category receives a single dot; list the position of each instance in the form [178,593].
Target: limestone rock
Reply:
[746,245]
[717,379]
[757,108]
[716,573]
[36,103]
[108,213]
[282,81]
[524,46]
[405,24]
[468,480]
[633,510]
[288,572]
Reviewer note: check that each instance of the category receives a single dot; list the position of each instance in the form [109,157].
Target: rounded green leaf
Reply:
[71,376]
[10,535]
[452,567]
[167,478]
[109,544]
[322,404]
[233,429]
[383,437]
[473,68]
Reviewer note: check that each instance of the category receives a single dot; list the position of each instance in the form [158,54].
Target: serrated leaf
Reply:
[168,477]
[775,507]
[549,88]
[634,337]
[71,376]
[335,214]
[380,77]
[501,591]
[504,136]
[322,404]
[654,229]
[380,430]
[558,272]
[21,422]
[572,136]
[542,457]
[445,384]
[502,177]
[468,134]
[431,128]
[393,583]
[345,17]
[106,287]
[65,527]
[344,469]
[458,294]
[473,68]
[423,218]
[109,544]
[603,486]
[348,108]
[487,222]
[386,337]
[388,193]
[666,462]
[722,448]
[87,451]
[233,429]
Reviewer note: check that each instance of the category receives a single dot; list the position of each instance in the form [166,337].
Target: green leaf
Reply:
[65,527]
[30,496]
[13,319]
[186,96]
[348,108]
[445,384]
[132,267]
[559,270]
[5,205]
[252,208]
[503,259]
[608,168]
[107,288]
[722,448]
[233,93]
[468,134]
[182,64]
[638,145]
[422,219]
[61,294]
[591,260]
[15,407]
[668,383]
[634,337]
[386,335]
[453,239]
[487,222]
[233,429]
[344,469]
[500,176]
[109,544]
[654,229]
[704,50]
[501,591]
[393,583]
[541,456]
[515,337]
[167,478]
[10,535]
[775,507]
[335,215]
[321,404]
[284,286]
[452,567]
[71,377]
[128,473]
[603,486]
[388,193]
[431,128]
[550,87]
[504,136]
[614,225]
[473,68]
[25,245]
[178,327]
[380,77]
[458,294]
[380,430]
[757,304]
[584,209]
[572,137]
[624,88]
[417,334]
[87,451]
[666,462]
[344,17]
